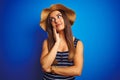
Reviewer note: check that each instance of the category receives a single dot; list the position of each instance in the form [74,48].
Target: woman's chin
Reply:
[59,30]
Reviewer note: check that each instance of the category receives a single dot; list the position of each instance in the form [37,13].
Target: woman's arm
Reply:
[74,70]
[47,57]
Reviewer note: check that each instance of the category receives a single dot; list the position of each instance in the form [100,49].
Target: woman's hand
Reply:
[56,35]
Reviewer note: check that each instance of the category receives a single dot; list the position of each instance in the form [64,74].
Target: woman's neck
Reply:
[62,36]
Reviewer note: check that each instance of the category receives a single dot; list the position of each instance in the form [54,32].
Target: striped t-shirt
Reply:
[62,60]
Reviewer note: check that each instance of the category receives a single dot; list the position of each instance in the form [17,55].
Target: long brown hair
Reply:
[67,31]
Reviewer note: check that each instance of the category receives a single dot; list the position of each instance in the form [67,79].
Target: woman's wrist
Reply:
[57,44]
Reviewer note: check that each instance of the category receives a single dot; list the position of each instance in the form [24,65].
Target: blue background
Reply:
[97,25]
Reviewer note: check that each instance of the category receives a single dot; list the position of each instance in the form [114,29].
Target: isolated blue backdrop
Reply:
[97,26]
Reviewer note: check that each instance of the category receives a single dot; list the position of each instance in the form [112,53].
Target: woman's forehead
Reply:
[54,13]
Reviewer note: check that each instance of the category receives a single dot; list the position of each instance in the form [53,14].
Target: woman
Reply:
[62,53]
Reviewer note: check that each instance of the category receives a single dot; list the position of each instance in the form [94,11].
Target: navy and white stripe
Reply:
[62,60]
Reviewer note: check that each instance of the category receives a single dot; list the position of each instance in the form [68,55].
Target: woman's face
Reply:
[57,20]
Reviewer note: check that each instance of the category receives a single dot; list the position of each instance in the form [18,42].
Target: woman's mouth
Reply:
[58,25]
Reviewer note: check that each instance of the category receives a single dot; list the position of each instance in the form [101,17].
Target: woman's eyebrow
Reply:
[56,15]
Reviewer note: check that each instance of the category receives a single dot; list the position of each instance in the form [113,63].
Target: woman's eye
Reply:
[52,20]
[59,16]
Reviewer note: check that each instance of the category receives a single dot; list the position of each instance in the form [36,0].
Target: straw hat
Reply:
[44,14]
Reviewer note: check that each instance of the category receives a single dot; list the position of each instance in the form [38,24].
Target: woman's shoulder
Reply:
[78,41]
[45,42]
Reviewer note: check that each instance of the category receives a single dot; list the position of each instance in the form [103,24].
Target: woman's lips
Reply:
[58,25]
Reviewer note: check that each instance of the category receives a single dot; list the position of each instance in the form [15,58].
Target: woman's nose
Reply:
[56,20]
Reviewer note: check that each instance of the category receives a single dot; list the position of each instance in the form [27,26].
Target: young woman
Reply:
[62,53]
